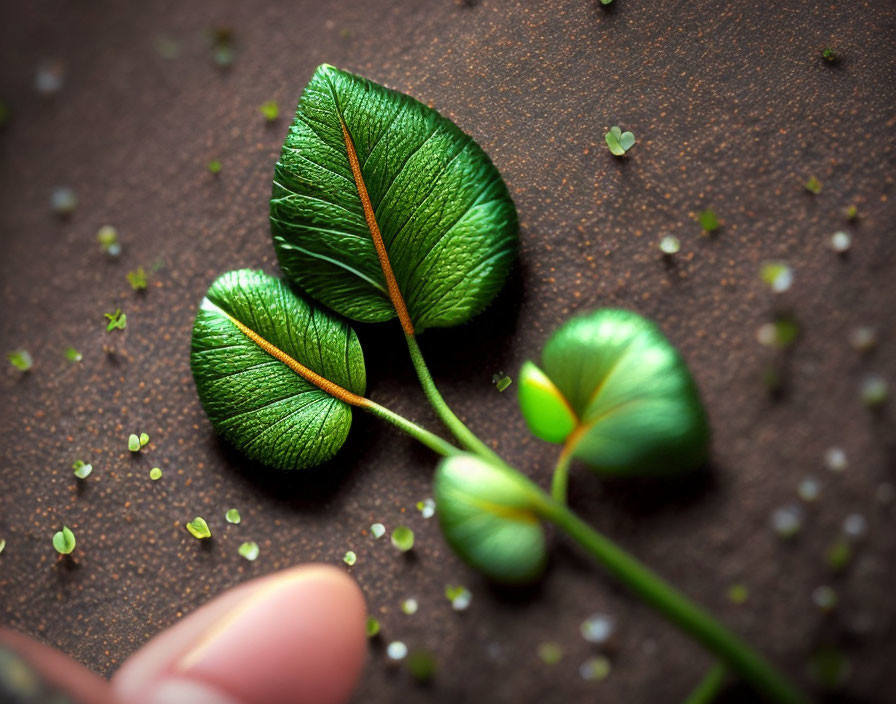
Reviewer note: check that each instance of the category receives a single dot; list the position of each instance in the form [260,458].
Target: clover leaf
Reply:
[619,142]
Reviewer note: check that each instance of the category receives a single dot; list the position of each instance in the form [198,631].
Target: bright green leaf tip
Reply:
[546,411]
[232,516]
[64,541]
[155,474]
[403,538]
[249,550]
[198,528]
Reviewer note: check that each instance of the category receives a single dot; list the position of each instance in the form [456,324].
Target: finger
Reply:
[296,636]
[33,673]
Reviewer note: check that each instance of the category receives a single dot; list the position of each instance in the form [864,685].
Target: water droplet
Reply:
[595,669]
[460,597]
[787,520]
[670,245]
[855,526]
[835,459]
[427,508]
[378,530]
[809,489]
[396,650]
[840,241]
[598,628]
[409,606]
[824,597]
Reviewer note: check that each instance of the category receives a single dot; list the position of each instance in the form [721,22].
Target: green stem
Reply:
[431,440]
[709,686]
[679,609]
[560,479]
[464,435]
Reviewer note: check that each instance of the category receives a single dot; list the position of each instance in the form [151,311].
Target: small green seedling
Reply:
[403,538]
[550,653]
[155,474]
[377,530]
[64,541]
[372,627]
[232,516]
[144,439]
[137,279]
[72,355]
[619,142]
[270,110]
[198,528]
[777,275]
[830,55]
[82,469]
[2,544]
[249,550]
[738,593]
[708,220]
[214,166]
[501,381]
[21,360]
[813,185]
[133,443]
[852,213]
[422,665]
[107,236]
[839,554]
[350,558]
[117,320]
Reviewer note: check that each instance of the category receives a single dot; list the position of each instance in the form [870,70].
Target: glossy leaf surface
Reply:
[487,515]
[447,223]
[636,407]
[253,398]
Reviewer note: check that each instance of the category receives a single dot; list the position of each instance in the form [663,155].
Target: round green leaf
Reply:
[488,516]
[253,398]
[448,224]
[64,541]
[636,405]
[548,413]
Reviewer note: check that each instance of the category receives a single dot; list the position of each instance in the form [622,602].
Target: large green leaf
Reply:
[250,336]
[447,223]
[489,516]
[618,394]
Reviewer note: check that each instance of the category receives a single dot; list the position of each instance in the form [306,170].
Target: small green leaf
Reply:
[133,443]
[839,554]
[198,528]
[460,597]
[350,558]
[813,185]
[117,320]
[72,355]
[144,439]
[708,220]
[738,593]
[155,474]
[64,541]
[619,142]
[488,516]
[403,538]
[617,392]
[550,653]
[249,550]
[372,627]
[2,544]
[422,665]
[270,110]
[256,397]
[214,166]
[82,469]
[232,516]
[778,276]
[21,360]
[137,279]
[377,530]
[107,236]
[501,381]
[438,205]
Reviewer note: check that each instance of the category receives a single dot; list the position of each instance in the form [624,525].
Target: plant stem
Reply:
[679,609]
[709,686]
[431,440]
[560,479]
[464,435]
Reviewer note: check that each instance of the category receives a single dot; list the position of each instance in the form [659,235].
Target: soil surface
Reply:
[733,108]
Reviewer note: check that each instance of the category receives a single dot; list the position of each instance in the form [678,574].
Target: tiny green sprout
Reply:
[155,474]
[72,355]
[214,166]
[20,359]
[144,439]
[427,508]
[409,606]
[117,320]
[829,668]
[460,597]
[198,528]
[669,245]
[82,469]
[133,443]
[874,391]
[350,558]
[780,333]
[595,669]
[738,593]
[378,530]
[403,538]
[421,664]
[107,236]
[64,541]
[606,2]
[708,220]
[777,275]
[501,381]
[550,653]
[137,279]
[852,213]
[372,627]
[249,550]
[838,554]
[232,516]
[813,185]
[619,142]
[830,55]
[270,110]
[2,544]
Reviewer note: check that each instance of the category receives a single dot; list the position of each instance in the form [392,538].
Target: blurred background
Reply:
[151,118]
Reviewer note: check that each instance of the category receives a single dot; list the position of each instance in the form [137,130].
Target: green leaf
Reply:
[635,407]
[708,220]
[421,188]
[488,516]
[249,550]
[257,398]
[81,469]
[64,541]
[198,528]
[117,320]
[232,515]
[21,360]
[619,142]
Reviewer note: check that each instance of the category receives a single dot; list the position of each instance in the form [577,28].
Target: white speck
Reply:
[595,669]
[396,650]
[427,508]
[787,520]
[874,390]
[862,338]
[809,489]
[840,241]
[669,245]
[824,597]
[462,601]
[378,530]
[49,77]
[409,606]
[855,526]
[598,628]
[767,334]
[63,201]
[835,459]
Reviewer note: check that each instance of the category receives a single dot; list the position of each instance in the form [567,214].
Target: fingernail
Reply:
[282,641]
[20,683]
